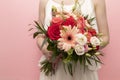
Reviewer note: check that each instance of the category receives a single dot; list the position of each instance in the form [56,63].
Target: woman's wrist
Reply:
[103,44]
[45,51]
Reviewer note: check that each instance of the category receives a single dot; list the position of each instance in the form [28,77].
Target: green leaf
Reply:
[45,40]
[51,45]
[30,29]
[40,28]
[86,17]
[88,55]
[75,57]
[54,9]
[68,59]
[35,34]
[91,19]
[84,62]
[70,52]
[69,65]
[64,66]
[95,60]
[89,62]
[81,59]
[46,67]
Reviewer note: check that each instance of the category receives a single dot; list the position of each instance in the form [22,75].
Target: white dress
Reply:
[90,72]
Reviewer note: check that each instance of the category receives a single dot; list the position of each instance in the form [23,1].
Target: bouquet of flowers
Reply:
[71,38]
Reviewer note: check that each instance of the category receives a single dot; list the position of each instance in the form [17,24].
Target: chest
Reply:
[66,2]
[87,6]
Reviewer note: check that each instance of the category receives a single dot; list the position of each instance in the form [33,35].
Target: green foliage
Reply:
[45,40]
[70,51]
[69,66]
[40,28]
[47,67]
[35,34]
[91,19]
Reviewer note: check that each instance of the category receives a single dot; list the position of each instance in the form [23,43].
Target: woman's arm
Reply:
[40,38]
[100,10]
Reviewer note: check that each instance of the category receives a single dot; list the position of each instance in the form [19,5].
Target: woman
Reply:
[95,8]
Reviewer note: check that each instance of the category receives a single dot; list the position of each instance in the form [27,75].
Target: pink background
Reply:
[19,53]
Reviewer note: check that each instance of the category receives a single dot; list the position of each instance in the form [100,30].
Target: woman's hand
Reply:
[40,39]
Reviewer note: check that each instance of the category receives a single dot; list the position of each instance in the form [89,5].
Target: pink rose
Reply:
[57,20]
[81,22]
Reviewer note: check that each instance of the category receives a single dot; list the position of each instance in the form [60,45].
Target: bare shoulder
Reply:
[43,2]
[99,3]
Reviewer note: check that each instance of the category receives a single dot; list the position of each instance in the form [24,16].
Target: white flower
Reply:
[94,41]
[81,39]
[79,49]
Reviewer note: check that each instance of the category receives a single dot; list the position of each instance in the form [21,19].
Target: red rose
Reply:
[97,47]
[53,32]
[92,31]
[69,21]
[81,22]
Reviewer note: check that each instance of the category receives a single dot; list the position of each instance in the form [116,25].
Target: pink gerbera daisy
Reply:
[68,37]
